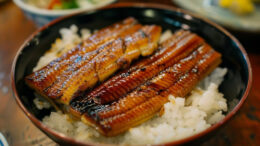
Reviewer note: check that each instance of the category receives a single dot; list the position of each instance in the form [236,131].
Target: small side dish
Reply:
[237,15]
[125,74]
[65,4]
[44,11]
[240,7]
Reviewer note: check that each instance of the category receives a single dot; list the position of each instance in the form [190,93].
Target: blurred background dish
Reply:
[44,11]
[237,15]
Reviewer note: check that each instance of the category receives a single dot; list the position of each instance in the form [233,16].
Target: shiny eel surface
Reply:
[44,77]
[83,70]
[172,50]
[145,101]
[138,93]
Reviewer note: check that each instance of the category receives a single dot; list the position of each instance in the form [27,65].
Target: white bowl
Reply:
[43,16]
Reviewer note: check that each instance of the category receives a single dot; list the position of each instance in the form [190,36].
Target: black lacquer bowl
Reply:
[237,82]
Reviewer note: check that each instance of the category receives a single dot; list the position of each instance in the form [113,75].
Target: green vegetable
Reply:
[69,4]
[56,7]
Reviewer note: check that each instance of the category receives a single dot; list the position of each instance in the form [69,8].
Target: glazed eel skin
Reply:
[138,93]
[44,77]
[94,60]
[81,80]
[170,51]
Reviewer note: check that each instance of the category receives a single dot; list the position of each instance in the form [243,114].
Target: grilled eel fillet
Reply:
[44,77]
[83,70]
[139,99]
[171,51]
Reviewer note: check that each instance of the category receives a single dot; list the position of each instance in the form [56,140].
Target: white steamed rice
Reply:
[182,117]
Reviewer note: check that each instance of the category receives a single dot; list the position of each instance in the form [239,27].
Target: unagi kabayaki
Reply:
[139,90]
[44,77]
[137,94]
[66,76]
[172,50]
[145,101]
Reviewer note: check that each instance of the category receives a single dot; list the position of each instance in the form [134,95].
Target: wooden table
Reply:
[244,129]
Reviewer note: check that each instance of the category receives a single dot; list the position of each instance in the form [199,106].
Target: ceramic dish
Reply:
[237,82]
[247,23]
[44,16]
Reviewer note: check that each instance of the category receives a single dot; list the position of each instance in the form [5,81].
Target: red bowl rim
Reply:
[70,140]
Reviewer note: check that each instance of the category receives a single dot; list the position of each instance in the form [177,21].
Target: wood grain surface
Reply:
[243,129]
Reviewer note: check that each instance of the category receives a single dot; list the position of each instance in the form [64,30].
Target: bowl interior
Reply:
[235,82]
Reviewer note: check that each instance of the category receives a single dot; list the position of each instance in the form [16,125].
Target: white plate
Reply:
[207,8]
